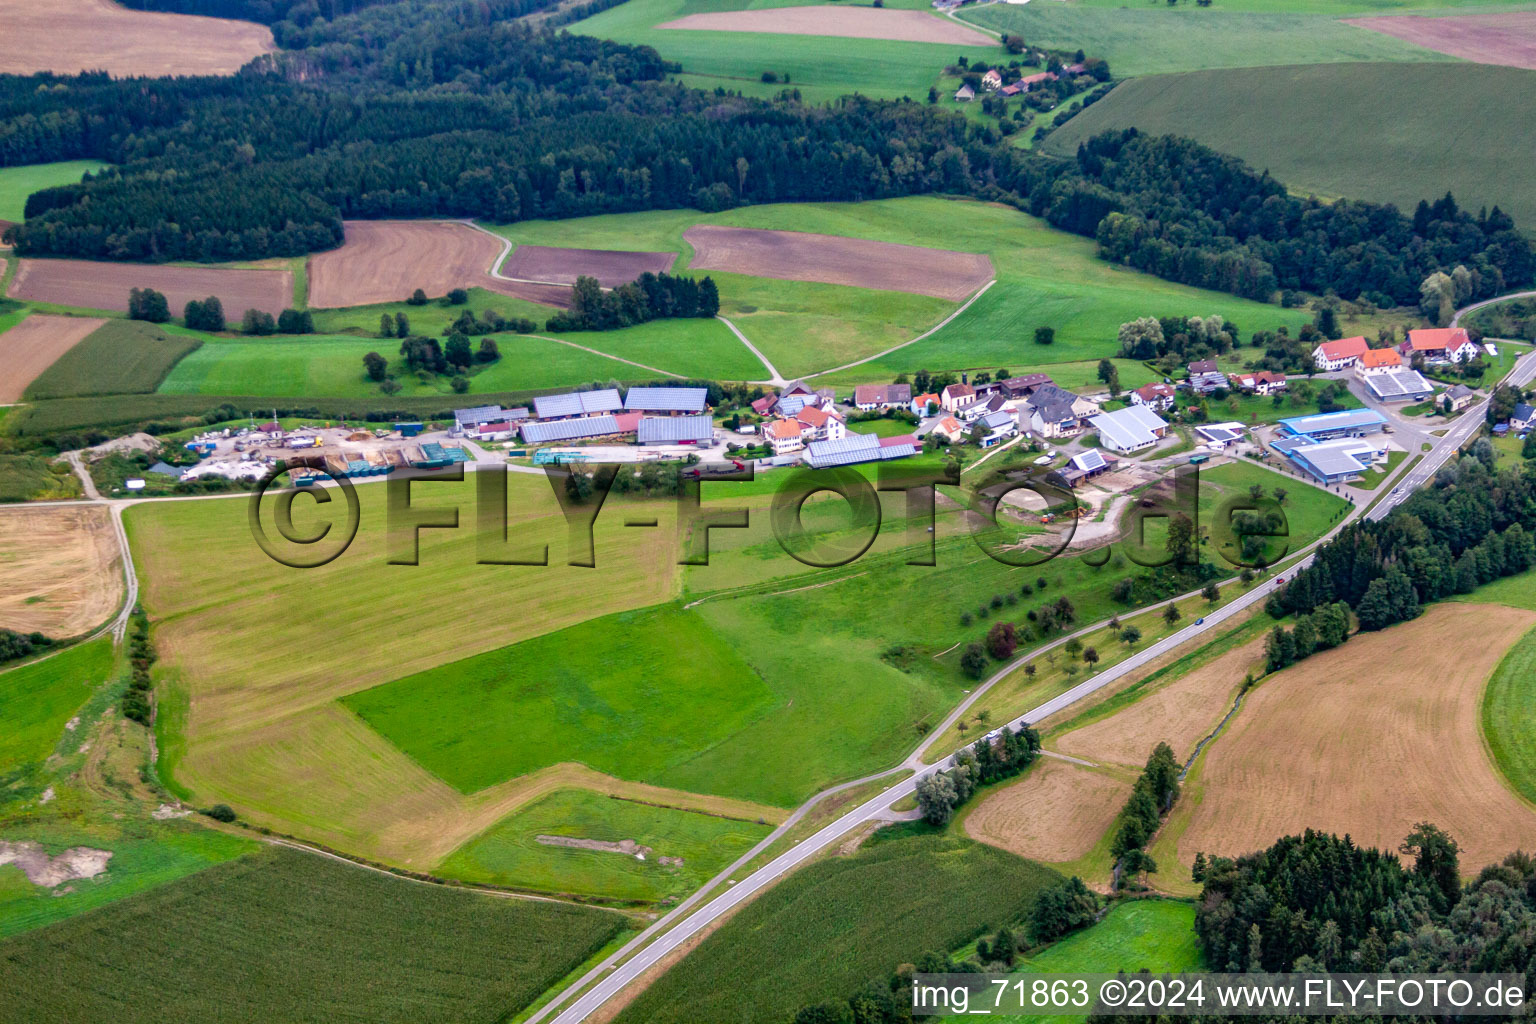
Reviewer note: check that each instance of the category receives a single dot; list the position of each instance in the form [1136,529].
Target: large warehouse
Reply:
[1326,425]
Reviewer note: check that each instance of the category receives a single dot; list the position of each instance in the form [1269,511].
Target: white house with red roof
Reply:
[818,424]
[1156,396]
[1440,345]
[1378,360]
[956,395]
[1259,382]
[1337,355]
[785,436]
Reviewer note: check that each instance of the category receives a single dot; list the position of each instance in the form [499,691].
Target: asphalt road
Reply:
[615,977]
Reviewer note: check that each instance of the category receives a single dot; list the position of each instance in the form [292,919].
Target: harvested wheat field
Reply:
[61,567]
[1508,39]
[1368,739]
[1056,813]
[611,267]
[848,22]
[99,285]
[831,259]
[33,345]
[1180,713]
[386,260]
[69,36]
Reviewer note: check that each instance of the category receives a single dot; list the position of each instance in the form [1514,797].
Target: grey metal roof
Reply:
[676,429]
[1460,391]
[792,404]
[570,430]
[476,415]
[998,420]
[853,449]
[577,403]
[1397,382]
[1050,394]
[666,399]
[1348,419]
[1130,427]
[1331,459]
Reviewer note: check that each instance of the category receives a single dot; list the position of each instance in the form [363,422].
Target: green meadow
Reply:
[1155,40]
[37,699]
[1394,133]
[1509,707]
[841,922]
[695,846]
[290,936]
[17,183]
[821,67]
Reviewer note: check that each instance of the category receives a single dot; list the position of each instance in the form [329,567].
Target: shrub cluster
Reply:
[138,704]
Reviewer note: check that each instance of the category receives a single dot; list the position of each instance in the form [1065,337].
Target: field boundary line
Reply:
[896,348]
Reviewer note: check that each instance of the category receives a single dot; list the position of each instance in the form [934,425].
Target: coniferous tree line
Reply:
[1475,523]
[648,297]
[1152,797]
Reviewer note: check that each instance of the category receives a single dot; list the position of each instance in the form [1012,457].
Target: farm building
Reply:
[1131,429]
[1000,426]
[956,395]
[1521,419]
[1221,434]
[1460,396]
[1205,378]
[1326,425]
[992,80]
[1260,382]
[668,401]
[501,431]
[970,412]
[921,402]
[820,425]
[947,427]
[1374,359]
[1158,396]
[965,94]
[1398,384]
[1085,466]
[1331,462]
[577,429]
[1440,345]
[467,419]
[1336,355]
[785,435]
[577,403]
[1025,385]
[857,448]
[697,429]
[881,396]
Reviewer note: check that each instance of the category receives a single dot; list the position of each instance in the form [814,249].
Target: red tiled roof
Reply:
[784,428]
[1344,348]
[1378,357]
[1437,339]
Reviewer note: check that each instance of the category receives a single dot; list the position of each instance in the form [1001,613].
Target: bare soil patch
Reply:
[69,36]
[386,260]
[1056,813]
[848,22]
[61,569]
[33,345]
[1368,739]
[1180,713]
[1507,39]
[802,256]
[41,869]
[101,285]
[628,847]
[611,267]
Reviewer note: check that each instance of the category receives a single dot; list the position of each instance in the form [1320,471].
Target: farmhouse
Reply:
[1025,385]
[1336,355]
[696,429]
[965,94]
[857,448]
[785,435]
[577,403]
[1204,378]
[1373,359]
[1030,81]
[999,425]
[1326,425]
[881,396]
[1440,345]
[1521,419]
[1458,397]
[1260,382]
[992,80]
[1331,462]
[577,429]
[1397,384]
[1158,397]
[669,401]
[975,410]
[1131,429]
[921,403]
[820,425]
[948,428]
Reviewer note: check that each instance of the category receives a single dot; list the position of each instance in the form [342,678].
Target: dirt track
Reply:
[33,345]
[801,256]
[386,260]
[61,569]
[100,285]
[563,266]
[1180,713]
[1508,39]
[1056,813]
[69,36]
[848,22]
[1369,739]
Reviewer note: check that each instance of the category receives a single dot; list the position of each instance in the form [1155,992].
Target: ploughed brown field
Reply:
[386,260]
[849,22]
[33,345]
[63,572]
[69,36]
[1055,813]
[563,266]
[99,285]
[1508,39]
[1368,739]
[802,256]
